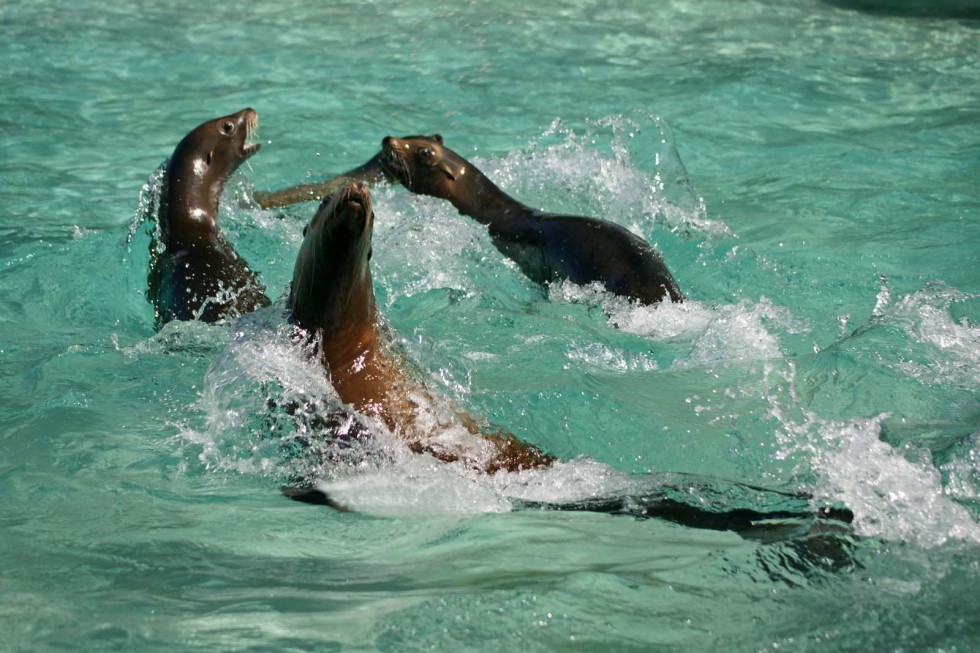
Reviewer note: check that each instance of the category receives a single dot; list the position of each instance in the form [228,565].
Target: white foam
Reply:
[893,497]
[952,350]
[564,482]
[417,486]
[600,356]
[716,333]
[894,494]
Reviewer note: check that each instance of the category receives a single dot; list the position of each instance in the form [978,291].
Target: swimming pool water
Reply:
[809,172]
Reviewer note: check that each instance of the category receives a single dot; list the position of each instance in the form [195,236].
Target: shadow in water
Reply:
[961,9]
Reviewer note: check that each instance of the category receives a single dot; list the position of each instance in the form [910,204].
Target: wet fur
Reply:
[332,301]
[199,275]
[546,246]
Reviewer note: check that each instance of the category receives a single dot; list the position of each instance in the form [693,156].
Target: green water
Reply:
[809,173]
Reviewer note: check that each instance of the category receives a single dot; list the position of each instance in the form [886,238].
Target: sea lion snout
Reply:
[357,199]
[247,121]
[390,147]
[356,194]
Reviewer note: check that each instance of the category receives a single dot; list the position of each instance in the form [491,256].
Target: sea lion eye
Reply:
[427,155]
[227,127]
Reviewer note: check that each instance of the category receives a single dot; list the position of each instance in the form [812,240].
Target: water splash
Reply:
[712,333]
[895,494]
[268,409]
[941,350]
[147,205]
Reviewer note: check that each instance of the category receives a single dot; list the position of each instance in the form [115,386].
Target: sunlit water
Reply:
[809,172]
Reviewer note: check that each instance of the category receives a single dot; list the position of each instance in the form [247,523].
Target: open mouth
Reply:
[248,149]
[251,129]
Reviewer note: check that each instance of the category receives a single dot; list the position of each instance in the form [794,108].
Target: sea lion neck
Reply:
[196,173]
[481,199]
[190,201]
[423,164]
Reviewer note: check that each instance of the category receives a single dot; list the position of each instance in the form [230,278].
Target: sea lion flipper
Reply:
[370,172]
[313,495]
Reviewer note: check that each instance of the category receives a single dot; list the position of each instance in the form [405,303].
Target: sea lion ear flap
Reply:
[446,168]
[437,138]
[370,253]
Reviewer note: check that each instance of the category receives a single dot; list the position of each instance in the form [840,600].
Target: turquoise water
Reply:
[809,173]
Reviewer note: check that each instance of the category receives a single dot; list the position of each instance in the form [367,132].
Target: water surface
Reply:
[809,172]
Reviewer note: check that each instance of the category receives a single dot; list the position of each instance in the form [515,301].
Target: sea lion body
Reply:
[547,247]
[332,300]
[195,273]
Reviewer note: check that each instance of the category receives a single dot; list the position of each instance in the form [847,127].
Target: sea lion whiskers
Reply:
[251,124]
[399,167]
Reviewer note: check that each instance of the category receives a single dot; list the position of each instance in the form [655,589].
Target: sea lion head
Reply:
[423,165]
[204,160]
[332,285]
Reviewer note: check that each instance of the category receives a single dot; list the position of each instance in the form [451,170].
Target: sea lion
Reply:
[195,273]
[546,246]
[332,304]
[331,299]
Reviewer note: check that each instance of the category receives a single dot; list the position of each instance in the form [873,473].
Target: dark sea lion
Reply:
[195,273]
[547,247]
[332,300]
[369,173]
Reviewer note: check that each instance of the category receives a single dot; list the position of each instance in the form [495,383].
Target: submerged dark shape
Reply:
[819,537]
[195,273]
[962,9]
[546,246]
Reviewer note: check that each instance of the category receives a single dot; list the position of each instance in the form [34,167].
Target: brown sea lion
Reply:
[332,300]
[195,273]
[547,247]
